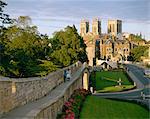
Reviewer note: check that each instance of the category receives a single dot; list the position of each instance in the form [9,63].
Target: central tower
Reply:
[96,26]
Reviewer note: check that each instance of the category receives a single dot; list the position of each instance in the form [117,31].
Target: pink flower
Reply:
[71,100]
[68,104]
[70,116]
[68,111]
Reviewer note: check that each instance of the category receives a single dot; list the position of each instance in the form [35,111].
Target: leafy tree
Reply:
[139,51]
[136,37]
[130,58]
[4,18]
[23,21]
[24,51]
[68,47]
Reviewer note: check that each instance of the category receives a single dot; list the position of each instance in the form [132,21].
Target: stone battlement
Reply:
[15,92]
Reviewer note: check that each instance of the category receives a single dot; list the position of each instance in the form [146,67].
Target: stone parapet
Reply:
[50,109]
[15,92]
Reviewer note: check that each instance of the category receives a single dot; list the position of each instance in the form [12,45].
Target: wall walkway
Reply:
[28,92]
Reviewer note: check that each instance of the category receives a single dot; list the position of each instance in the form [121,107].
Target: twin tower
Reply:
[114,27]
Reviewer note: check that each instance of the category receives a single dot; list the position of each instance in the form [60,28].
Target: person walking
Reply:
[65,75]
[68,76]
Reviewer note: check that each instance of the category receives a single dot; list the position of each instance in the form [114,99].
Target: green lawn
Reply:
[107,80]
[115,88]
[98,108]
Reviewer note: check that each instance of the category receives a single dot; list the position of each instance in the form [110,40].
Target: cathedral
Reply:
[113,46]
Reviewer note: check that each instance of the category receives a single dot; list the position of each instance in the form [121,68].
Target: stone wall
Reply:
[50,109]
[15,92]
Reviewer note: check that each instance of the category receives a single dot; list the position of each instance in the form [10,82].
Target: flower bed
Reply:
[71,108]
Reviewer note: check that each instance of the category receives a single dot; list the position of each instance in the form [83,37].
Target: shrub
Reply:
[71,108]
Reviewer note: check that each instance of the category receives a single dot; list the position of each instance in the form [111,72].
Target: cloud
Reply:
[58,13]
[81,8]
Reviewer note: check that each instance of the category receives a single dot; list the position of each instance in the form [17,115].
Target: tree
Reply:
[139,51]
[136,37]
[23,22]
[4,18]
[68,47]
[24,51]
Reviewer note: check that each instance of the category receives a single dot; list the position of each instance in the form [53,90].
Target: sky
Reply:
[53,15]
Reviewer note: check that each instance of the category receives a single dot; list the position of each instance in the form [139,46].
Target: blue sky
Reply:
[53,15]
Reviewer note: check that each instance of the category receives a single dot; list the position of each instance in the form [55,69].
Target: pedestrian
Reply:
[65,75]
[68,76]
[141,94]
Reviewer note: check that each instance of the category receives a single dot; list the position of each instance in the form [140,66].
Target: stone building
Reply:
[84,27]
[113,46]
[89,40]
[114,49]
[114,27]
[90,37]
[96,26]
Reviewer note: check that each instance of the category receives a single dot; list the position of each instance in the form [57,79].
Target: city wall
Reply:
[15,92]
[50,109]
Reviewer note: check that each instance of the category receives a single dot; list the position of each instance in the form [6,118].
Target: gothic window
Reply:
[117,28]
[110,28]
[87,29]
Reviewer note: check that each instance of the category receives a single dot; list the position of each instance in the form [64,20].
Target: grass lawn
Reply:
[115,88]
[107,80]
[98,108]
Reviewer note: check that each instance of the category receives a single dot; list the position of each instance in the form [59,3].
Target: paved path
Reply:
[139,73]
[143,85]
[21,112]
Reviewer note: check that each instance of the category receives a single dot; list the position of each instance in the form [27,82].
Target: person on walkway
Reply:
[65,75]
[68,76]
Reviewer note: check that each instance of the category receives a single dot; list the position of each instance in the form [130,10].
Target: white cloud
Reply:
[50,15]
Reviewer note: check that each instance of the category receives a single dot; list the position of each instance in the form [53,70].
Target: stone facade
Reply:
[20,91]
[114,27]
[84,27]
[115,50]
[53,107]
[91,53]
[114,46]
[96,26]
[90,37]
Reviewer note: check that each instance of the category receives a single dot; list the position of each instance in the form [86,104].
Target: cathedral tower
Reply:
[84,27]
[96,26]
[114,27]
